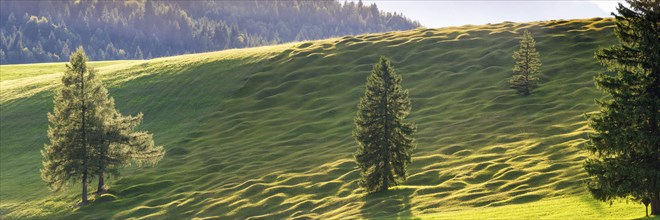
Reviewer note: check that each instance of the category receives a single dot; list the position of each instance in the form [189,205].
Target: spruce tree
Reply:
[385,141]
[626,139]
[526,69]
[74,125]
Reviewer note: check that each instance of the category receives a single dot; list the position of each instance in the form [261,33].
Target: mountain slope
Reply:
[266,132]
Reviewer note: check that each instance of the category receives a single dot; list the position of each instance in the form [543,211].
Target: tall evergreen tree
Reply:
[526,70]
[74,126]
[385,141]
[626,138]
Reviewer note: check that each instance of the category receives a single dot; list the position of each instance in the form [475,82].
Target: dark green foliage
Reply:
[626,141]
[385,141]
[88,136]
[526,70]
[45,31]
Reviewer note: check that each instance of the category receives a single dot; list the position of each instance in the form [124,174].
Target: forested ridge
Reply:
[48,31]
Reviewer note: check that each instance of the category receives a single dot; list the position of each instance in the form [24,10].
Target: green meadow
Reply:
[266,132]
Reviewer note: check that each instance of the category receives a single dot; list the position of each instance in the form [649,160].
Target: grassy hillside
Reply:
[266,132]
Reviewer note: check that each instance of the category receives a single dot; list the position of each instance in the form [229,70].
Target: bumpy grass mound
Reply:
[266,132]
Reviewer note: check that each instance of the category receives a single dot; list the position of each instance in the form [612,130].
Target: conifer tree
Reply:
[88,136]
[74,125]
[626,139]
[121,145]
[526,69]
[385,141]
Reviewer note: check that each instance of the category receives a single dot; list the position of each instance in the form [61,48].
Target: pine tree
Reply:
[385,141]
[74,126]
[626,138]
[526,70]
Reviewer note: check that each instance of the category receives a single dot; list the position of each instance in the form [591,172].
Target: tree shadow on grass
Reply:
[394,203]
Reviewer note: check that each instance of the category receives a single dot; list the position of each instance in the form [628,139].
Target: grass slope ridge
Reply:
[266,132]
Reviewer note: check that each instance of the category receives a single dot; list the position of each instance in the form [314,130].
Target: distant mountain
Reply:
[47,31]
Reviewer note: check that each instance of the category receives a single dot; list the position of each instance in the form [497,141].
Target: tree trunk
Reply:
[386,132]
[84,188]
[527,70]
[646,202]
[101,188]
[84,140]
[383,186]
[655,205]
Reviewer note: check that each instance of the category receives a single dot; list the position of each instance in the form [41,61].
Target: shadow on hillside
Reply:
[656,217]
[394,203]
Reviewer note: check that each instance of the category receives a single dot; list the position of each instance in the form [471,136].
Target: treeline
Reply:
[47,31]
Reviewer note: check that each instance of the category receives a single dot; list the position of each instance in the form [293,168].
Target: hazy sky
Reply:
[442,13]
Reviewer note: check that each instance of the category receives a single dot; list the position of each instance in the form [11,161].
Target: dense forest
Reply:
[48,31]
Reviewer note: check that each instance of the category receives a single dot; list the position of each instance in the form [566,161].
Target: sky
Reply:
[443,13]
